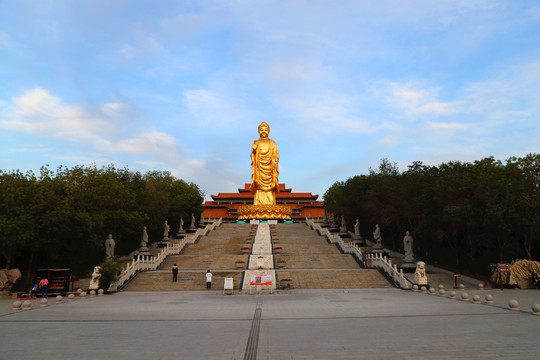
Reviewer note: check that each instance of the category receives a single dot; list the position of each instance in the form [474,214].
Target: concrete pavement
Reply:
[298,324]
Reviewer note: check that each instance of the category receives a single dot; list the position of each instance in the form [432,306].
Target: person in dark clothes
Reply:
[175,273]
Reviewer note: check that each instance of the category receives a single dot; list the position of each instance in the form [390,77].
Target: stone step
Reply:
[202,262]
[334,279]
[318,261]
[311,262]
[301,279]
[187,281]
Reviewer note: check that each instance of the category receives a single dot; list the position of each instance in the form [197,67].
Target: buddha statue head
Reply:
[264,130]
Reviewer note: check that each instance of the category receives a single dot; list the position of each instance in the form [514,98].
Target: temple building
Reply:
[225,205]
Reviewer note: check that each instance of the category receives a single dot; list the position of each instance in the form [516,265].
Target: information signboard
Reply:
[228,284]
[261,279]
[503,267]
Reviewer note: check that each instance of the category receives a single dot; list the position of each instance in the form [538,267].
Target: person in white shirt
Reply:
[208,279]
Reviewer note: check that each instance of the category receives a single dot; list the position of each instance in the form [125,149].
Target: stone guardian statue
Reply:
[166,229]
[377,237]
[181,228]
[192,227]
[109,247]
[408,246]
[420,276]
[357,235]
[343,228]
[96,277]
[143,248]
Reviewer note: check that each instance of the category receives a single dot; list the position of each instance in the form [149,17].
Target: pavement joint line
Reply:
[253,338]
[258,312]
[121,320]
[383,316]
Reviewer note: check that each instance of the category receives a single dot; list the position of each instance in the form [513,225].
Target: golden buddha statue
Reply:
[264,180]
[264,167]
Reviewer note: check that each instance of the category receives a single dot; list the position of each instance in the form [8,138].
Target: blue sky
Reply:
[183,85]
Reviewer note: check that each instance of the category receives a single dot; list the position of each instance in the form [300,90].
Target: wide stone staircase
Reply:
[310,262]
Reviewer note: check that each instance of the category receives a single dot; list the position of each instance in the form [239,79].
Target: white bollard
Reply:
[442,292]
[461,286]
[536,309]
[432,291]
[100,292]
[415,287]
[476,299]
[82,294]
[16,305]
[424,289]
[26,305]
[59,299]
[464,296]
[71,297]
[489,299]
[44,302]
[92,293]
[513,305]
[480,286]
[441,286]
[452,294]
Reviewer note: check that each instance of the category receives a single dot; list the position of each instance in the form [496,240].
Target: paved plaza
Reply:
[298,324]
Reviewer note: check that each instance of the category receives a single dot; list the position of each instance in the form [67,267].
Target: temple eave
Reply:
[226,205]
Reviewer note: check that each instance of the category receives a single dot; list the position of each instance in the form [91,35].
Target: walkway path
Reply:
[296,324]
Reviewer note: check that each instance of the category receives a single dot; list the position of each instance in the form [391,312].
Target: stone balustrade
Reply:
[145,262]
[368,260]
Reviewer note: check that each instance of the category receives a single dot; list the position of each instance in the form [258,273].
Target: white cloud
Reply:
[127,51]
[143,45]
[183,25]
[150,141]
[31,149]
[209,107]
[453,126]
[416,100]
[39,112]
[5,40]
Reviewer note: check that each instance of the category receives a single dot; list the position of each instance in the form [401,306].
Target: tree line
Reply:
[462,215]
[60,219]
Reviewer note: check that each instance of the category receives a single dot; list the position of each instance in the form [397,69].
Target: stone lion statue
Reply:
[420,276]
[8,278]
[96,277]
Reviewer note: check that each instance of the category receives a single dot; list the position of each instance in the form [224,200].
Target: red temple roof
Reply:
[225,205]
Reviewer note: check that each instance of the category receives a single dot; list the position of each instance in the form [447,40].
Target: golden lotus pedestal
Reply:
[247,212]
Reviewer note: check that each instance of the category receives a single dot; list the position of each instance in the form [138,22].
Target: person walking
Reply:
[174,273]
[33,292]
[208,279]
[44,285]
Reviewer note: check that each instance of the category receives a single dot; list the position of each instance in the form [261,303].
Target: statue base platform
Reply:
[408,267]
[247,212]
[144,250]
[380,252]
